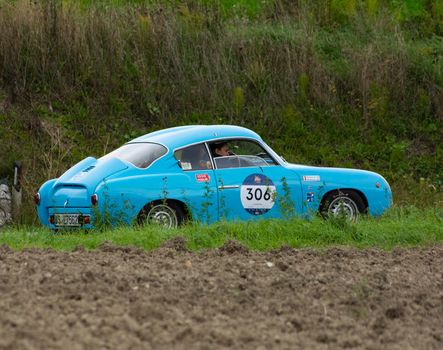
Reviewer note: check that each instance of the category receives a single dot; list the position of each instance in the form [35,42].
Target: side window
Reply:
[194,157]
[239,154]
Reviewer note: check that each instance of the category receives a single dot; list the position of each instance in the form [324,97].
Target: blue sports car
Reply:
[203,173]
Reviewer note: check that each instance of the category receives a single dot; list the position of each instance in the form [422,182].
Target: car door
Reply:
[251,184]
[198,182]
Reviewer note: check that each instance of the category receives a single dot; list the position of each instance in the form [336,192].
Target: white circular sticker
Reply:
[257,194]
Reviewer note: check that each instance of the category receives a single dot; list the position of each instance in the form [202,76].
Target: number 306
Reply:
[257,194]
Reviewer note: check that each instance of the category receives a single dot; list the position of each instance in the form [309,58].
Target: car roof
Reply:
[185,135]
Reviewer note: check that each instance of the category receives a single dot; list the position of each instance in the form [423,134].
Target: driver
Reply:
[221,149]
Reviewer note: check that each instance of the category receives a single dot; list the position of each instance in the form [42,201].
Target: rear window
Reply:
[141,155]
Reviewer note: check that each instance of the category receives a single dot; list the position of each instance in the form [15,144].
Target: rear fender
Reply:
[45,192]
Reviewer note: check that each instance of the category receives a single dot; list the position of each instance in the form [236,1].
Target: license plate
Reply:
[67,219]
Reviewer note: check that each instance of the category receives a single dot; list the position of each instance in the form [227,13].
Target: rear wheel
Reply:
[166,214]
[346,204]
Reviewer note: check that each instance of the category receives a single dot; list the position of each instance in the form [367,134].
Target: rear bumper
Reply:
[50,212]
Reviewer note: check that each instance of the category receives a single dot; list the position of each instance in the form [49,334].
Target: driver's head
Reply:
[221,149]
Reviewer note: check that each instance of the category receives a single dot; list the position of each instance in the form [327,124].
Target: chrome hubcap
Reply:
[162,215]
[345,207]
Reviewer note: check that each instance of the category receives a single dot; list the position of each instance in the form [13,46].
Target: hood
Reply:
[318,169]
[338,176]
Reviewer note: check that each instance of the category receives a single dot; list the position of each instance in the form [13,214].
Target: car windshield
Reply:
[141,155]
[239,153]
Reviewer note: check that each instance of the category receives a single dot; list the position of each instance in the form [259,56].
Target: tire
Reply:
[345,202]
[166,214]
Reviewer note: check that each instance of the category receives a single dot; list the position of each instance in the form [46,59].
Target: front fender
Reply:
[317,182]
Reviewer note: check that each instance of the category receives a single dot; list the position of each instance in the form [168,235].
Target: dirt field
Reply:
[125,298]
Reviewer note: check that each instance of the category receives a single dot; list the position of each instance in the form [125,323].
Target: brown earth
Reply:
[170,298]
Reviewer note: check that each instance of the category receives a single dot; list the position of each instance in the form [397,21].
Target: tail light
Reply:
[84,219]
[37,198]
[94,199]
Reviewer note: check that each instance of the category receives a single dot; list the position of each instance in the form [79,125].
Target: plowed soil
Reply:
[170,298]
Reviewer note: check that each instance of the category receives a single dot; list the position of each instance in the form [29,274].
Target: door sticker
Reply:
[257,194]
[310,197]
[311,178]
[202,177]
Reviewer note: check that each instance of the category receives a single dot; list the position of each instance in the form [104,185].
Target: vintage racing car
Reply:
[203,173]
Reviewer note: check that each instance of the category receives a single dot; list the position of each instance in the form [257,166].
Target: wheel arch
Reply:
[340,190]
[176,202]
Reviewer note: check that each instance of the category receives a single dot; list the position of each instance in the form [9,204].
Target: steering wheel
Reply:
[261,154]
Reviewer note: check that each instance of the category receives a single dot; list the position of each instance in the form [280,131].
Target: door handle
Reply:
[228,187]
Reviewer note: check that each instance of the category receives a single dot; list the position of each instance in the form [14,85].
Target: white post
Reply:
[17,191]
[16,204]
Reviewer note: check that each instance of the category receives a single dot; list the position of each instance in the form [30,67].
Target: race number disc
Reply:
[257,194]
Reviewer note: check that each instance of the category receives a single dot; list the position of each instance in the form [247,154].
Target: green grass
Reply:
[404,226]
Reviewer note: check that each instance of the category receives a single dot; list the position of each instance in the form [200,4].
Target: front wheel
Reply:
[168,215]
[345,204]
